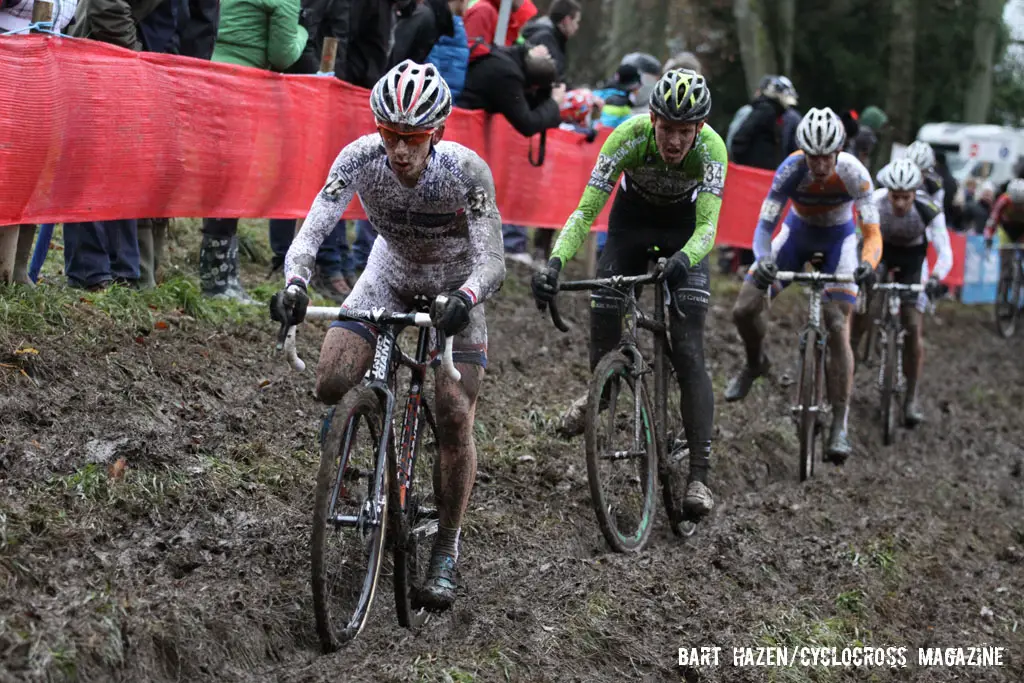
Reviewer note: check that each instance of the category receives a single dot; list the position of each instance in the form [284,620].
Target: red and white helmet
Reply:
[578,105]
[411,94]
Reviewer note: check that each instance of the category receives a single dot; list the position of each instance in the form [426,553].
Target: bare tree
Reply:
[785,28]
[978,98]
[756,47]
[900,98]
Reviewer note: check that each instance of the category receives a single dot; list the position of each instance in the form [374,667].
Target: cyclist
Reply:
[433,204]
[673,170]
[922,154]
[1007,212]
[909,221]
[824,184]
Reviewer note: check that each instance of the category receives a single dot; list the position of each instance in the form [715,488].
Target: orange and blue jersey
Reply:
[820,219]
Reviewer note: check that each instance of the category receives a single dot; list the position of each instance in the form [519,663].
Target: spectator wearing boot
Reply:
[266,35]
[333,276]
[99,253]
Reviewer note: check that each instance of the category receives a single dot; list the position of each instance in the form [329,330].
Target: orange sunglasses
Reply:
[393,137]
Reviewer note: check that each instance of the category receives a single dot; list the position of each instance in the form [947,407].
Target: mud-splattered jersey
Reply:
[924,222]
[827,203]
[630,155]
[443,233]
[1005,213]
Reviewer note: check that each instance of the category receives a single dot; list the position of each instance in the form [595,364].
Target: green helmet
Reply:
[681,95]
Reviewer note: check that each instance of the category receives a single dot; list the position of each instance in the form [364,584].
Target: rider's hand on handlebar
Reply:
[450,312]
[933,288]
[765,272]
[864,276]
[288,306]
[677,269]
[988,243]
[544,282]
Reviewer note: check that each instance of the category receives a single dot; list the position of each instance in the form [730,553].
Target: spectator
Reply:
[482,22]
[791,117]
[742,113]
[850,124]
[949,186]
[369,37]
[266,36]
[99,253]
[683,60]
[322,19]
[554,31]
[451,52]
[870,122]
[419,27]
[650,71]
[619,95]
[197,28]
[333,277]
[516,82]
[758,142]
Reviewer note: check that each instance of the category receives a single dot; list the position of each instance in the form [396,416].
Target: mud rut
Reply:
[194,565]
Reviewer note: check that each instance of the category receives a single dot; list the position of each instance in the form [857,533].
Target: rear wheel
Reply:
[674,462]
[349,518]
[889,380]
[1007,301]
[416,521]
[621,467]
[808,394]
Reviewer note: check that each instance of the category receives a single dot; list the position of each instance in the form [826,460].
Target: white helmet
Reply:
[411,94]
[922,154]
[820,132]
[901,175]
[1016,190]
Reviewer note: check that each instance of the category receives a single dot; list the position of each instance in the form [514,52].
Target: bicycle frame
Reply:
[891,309]
[380,378]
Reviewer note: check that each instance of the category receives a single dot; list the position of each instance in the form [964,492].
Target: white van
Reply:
[980,150]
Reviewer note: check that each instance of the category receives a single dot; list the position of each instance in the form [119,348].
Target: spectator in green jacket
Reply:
[265,34]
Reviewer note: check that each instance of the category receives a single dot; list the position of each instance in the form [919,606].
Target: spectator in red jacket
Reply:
[482,21]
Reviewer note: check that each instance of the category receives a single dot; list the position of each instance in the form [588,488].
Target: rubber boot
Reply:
[147,266]
[218,269]
[23,255]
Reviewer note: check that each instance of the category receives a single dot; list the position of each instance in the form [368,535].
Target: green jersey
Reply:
[631,150]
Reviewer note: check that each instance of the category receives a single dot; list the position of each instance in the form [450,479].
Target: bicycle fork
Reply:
[885,329]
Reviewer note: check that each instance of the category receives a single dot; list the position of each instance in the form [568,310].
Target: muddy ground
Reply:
[192,564]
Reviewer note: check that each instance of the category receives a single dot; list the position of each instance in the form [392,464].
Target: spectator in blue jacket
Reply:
[450,53]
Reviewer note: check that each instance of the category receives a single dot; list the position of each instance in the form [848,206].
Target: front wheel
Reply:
[1007,302]
[622,455]
[809,393]
[349,518]
[890,378]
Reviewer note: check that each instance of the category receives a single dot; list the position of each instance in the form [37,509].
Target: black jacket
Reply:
[197,28]
[542,31]
[497,83]
[368,37]
[418,28]
[758,141]
[323,19]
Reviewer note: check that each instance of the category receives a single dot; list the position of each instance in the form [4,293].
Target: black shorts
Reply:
[1014,231]
[907,260]
[636,227]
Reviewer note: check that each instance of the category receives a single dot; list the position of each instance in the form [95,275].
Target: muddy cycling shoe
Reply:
[698,501]
[912,415]
[438,592]
[838,449]
[740,385]
[574,419]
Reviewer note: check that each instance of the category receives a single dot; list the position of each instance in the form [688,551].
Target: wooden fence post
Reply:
[328,55]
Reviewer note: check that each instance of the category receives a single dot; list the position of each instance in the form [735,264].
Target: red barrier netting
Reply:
[90,131]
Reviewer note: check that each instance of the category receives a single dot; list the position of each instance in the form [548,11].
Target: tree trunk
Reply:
[900,98]
[756,48]
[978,99]
[785,27]
[583,70]
[625,36]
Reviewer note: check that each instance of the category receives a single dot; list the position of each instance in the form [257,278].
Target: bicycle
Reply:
[649,446]
[1008,303]
[811,405]
[370,488]
[891,336]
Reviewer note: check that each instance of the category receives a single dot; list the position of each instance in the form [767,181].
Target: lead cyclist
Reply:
[433,204]
[672,168]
